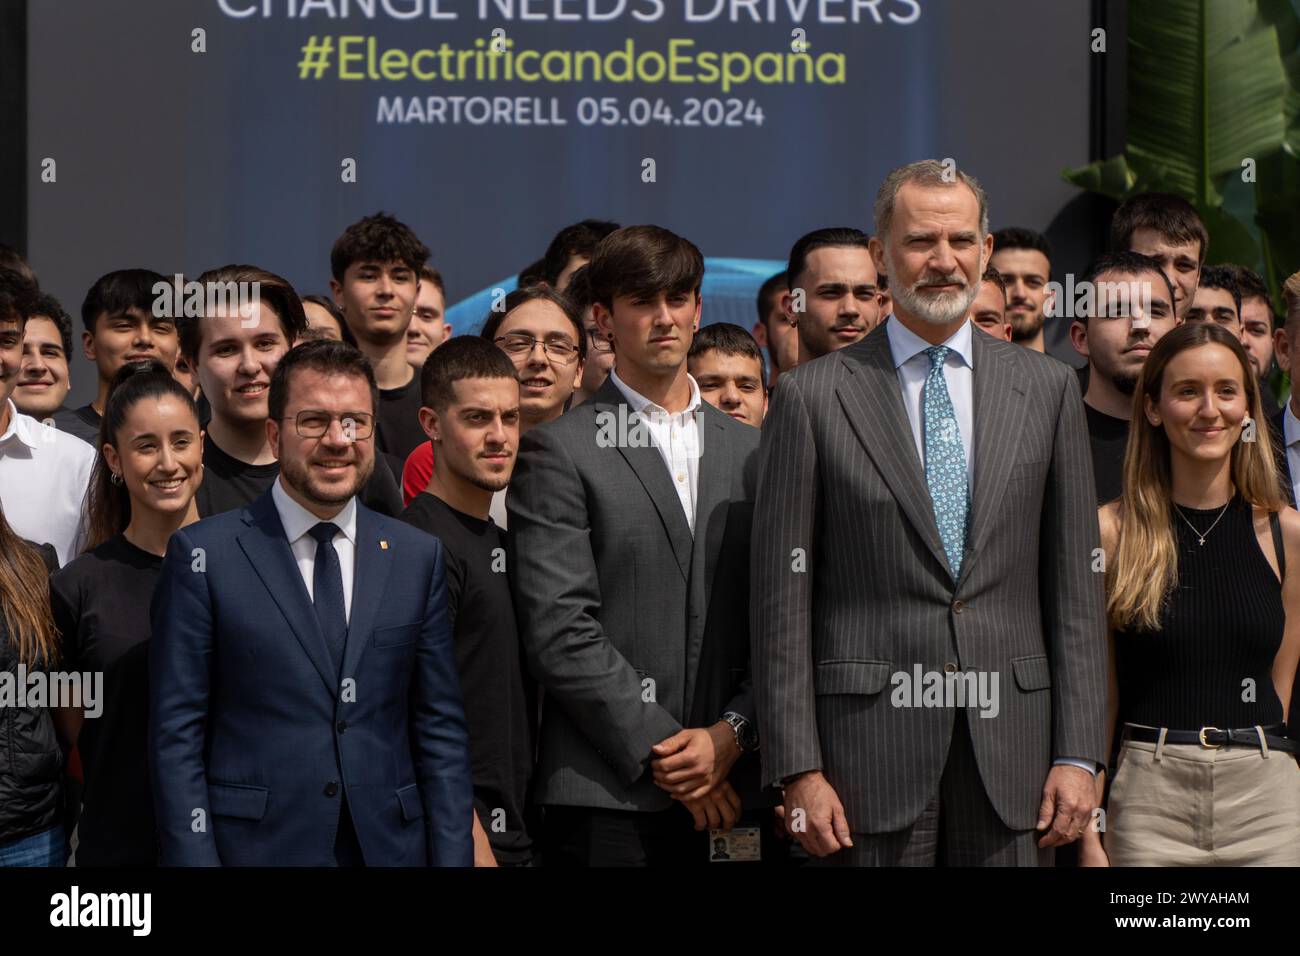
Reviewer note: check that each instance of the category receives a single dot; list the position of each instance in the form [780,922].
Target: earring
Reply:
[115,478]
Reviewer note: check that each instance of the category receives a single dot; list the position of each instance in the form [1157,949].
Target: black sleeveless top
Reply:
[1221,629]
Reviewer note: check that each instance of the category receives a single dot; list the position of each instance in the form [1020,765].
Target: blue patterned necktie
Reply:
[327,592]
[945,461]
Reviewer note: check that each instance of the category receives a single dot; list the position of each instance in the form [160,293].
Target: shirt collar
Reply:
[297,520]
[20,427]
[640,403]
[907,345]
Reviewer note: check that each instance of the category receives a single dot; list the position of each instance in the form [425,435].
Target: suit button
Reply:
[950,668]
[331,788]
[343,725]
[958,607]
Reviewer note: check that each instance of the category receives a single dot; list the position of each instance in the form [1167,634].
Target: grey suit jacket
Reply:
[634,628]
[841,483]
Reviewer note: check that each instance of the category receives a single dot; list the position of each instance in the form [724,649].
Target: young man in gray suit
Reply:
[630,520]
[928,625]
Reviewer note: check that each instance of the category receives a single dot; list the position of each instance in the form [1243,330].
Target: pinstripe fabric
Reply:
[841,484]
[628,621]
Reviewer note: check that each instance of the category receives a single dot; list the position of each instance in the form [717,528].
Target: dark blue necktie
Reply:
[327,592]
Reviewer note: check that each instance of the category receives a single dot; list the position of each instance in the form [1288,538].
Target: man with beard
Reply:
[831,298]
[1024,260]
[304,708]
[471,414]
[1131,308]
[933,486]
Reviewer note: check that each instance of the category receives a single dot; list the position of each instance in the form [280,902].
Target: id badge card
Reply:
[739,845]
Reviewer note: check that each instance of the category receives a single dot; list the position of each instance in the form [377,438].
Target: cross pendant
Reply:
[1200,541]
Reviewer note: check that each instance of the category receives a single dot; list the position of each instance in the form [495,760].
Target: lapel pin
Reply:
[383,545]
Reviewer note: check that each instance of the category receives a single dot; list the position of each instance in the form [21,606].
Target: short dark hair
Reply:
[432,276]
[1172,216]
[532,274]
[579,239]
[578,291]
[461,357]
[644,260]
[273,291]
[992,275]
[820,239]
[17,296]
[378,238]
[726,338]
[12,260]
[1251,284]
[116,293]
[1222,277]
[47,307]
[763,301]
[326,303]
[533,293]
[1125,263]
[1017,237]
[327,356]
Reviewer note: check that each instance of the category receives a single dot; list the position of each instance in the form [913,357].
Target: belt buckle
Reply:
[1205,743]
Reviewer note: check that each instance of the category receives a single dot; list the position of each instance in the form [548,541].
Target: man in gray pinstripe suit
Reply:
[924,535]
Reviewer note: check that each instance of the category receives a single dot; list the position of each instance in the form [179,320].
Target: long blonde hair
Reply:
[1144,568]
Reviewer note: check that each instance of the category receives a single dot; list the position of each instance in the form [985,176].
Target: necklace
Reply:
[1201,536]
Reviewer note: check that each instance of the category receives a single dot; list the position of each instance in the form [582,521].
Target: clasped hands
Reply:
[692,767]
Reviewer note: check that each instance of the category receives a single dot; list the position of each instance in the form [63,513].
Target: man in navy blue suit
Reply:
[304,703]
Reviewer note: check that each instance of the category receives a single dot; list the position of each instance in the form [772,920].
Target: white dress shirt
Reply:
[44,477]
[913,367]
[1291,436]
[677,437]
[297,521]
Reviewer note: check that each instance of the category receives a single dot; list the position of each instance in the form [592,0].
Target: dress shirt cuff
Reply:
[1087,765]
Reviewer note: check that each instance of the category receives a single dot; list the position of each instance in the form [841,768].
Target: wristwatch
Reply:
[745,731]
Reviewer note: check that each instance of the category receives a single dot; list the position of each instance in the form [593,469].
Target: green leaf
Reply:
[1109,177]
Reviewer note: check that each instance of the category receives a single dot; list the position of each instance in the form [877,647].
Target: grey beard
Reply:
[942,311]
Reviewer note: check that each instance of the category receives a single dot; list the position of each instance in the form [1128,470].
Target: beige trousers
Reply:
[1187,805]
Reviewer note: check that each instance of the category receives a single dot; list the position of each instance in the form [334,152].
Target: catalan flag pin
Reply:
[383,545]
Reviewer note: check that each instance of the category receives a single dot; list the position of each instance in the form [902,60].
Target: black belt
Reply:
[1213,738]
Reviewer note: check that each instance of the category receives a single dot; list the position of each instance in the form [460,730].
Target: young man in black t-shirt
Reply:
[376,266]
[234,356]
[1115,335]
[121,327]
[471,414]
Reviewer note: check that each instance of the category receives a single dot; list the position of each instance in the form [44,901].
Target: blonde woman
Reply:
[1205,621]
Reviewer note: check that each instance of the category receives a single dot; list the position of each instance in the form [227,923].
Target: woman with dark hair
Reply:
[31,763]
[1202,572]
[149,467]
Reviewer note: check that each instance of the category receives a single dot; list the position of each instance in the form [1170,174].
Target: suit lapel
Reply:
[649,466]
[369,577]
[999,409]
[267,549]
[712,501]
[873,403]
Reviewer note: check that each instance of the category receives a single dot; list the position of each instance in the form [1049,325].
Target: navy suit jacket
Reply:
[254,740]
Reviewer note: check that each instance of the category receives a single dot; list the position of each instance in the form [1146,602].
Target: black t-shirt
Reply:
[82,422]
[100,603]
[499,696]
[398,430]
[229,483]
[1108,438]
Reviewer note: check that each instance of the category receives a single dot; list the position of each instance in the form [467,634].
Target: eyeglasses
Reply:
[315,422]
[558,347]
[597,340]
